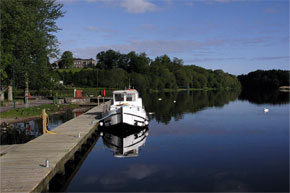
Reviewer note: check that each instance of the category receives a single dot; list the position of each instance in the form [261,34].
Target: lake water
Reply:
[23,132]
[206,141]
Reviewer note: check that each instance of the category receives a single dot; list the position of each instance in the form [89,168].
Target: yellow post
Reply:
[45,121]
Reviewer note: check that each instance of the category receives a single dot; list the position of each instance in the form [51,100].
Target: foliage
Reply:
[265,80]
[28,40]
[72,70]
[116,70]
[66,60]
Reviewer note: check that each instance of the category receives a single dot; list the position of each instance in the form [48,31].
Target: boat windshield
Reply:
[119,97]
[130,97]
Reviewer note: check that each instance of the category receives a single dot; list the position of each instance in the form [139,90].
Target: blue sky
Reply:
[237,36]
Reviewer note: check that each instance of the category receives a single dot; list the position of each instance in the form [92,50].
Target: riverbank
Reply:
[32,113]
[187,89]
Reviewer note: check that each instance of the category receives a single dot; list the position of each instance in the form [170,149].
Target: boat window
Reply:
[119,97]
[130,97]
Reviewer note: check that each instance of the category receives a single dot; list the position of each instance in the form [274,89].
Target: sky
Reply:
[236,36]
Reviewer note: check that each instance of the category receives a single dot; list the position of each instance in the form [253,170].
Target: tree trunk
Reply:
[2,96]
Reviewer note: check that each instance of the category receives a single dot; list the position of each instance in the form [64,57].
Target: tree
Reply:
[28,39]
[138,63]
[108,59]
[265,80]
[66,60]
[182,79]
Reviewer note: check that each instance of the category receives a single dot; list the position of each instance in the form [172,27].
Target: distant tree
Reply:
[108,59]
[138,63]
[139,81]
[115,70]
[260,79]
[66,60]
[182,79]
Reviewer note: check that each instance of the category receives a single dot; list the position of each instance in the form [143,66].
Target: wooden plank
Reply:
[6,148]
[23,168]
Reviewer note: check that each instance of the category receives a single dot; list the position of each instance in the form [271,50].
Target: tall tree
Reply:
[66,60]
[108,59]
[28,39]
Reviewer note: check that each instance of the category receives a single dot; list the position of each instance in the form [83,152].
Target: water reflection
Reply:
[19,133]
[204,142]
[265,97]
[174,105]
[186,102]
[124,141]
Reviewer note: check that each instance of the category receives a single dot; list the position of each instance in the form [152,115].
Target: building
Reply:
[83,63]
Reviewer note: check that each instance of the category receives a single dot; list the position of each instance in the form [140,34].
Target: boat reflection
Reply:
[124,141]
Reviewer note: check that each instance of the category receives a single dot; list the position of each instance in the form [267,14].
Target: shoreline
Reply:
[30,118]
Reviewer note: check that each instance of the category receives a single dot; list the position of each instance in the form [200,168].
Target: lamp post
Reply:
[13,86]
[97,78]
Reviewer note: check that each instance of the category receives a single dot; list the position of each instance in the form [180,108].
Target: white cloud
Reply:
[131,6]
[138,6]
[144,171]
[158,47]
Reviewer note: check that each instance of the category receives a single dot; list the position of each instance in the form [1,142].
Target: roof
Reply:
[83,59]
[126,91]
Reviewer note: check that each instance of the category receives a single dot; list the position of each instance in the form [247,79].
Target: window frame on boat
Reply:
[123,96]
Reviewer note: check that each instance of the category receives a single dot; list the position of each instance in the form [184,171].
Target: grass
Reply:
[73,70]
[35,111]
[182,89]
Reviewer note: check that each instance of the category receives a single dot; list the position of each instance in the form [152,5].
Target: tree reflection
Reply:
[274,97]
[186,102]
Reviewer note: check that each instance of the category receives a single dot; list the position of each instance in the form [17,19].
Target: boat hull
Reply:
[125,115]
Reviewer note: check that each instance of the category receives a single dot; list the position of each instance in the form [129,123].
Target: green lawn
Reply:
[35,111]
[73,70]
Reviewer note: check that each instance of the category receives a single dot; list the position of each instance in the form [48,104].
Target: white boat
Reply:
[126,109]
[125,143]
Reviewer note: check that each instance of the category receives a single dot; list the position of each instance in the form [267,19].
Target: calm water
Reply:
[24,132]
[206,141]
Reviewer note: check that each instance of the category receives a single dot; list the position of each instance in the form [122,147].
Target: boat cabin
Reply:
[130,96]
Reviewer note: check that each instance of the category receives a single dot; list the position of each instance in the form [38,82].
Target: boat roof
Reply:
[126,91]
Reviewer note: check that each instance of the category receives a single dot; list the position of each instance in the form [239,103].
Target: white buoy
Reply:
[174,101]
[101,124]
[266,110]
[160,99]
[101,134]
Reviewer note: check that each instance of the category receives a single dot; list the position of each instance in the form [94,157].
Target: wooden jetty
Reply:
[23,169]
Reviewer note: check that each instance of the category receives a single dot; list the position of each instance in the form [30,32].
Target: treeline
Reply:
[116,70]
[265,80]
